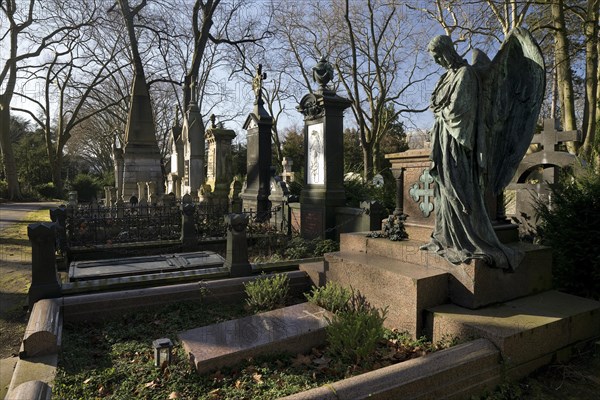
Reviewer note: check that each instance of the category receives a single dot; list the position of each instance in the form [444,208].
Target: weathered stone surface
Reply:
[525,329]
[85,270]
[44,278]
[294,329]
[41,368]
[406,288]
[455,373]
[32,390]
[44,329]
[472,285]
[7,367]
[94,306]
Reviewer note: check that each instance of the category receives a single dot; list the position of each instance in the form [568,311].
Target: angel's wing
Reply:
[512,91]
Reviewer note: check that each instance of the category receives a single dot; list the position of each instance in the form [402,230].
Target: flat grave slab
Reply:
[96,269]
[295,329]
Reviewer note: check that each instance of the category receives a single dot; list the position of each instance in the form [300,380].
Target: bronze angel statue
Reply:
[485,116]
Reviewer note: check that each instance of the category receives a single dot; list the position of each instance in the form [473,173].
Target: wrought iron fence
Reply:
[93,224]
[90,225]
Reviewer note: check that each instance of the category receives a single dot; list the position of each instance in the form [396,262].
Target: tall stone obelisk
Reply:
[141,157]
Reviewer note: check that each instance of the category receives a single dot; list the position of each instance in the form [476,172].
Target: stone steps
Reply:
[471,285]
[529,331]
[406,288]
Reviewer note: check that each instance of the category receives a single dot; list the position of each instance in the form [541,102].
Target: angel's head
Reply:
[443,52]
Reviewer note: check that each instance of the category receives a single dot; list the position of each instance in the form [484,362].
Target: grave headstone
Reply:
[141,157]
[539,168]
[295,329]
[176,172]
[255,195]
[193,142]
[324,166]
[288,173]
[219,173]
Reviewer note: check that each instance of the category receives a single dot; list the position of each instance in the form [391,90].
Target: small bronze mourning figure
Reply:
[485,115]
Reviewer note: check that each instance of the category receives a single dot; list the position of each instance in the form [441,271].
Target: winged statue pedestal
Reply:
[415,194]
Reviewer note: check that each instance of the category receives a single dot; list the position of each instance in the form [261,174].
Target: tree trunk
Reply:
[368,161]
[8,158]
[563,71]
[56,166]
[277,147]
[591,78]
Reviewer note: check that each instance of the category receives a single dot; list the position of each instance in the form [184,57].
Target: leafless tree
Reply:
[33,26]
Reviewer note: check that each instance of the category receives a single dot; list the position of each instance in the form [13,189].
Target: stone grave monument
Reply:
[174,178]
[255,196]
[470,285]
[193,147]
[540,168]
[324,167]
[141,157]
[219,172]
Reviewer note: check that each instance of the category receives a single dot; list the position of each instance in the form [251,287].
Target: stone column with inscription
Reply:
[258,179]
[323,113]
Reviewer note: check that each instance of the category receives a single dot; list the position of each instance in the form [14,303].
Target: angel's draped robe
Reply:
[463,230]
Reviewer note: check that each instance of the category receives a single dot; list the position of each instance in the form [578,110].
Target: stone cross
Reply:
[257,82]
[550,136]
[427,192]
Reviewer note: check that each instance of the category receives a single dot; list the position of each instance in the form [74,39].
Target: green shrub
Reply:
[3,189]
[325,246]
[353,333]
[297,248]
[332,297]
[267,292]
[48,191]
[570,227]
[86,186]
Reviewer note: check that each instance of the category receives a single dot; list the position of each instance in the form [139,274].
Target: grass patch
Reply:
[14,242]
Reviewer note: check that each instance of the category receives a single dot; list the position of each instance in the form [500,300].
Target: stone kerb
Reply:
[33,390]
[44,329]
[455,373]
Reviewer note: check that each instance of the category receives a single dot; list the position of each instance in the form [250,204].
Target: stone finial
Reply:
[213,121]
[323,72]
[176,115]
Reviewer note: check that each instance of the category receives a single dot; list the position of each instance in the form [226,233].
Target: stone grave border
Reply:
[477,362]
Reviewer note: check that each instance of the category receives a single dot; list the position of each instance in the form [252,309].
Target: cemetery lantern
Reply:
[162,351]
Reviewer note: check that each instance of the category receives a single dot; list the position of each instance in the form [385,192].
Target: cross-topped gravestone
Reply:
[258,124]
[539,168]
[550,136]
